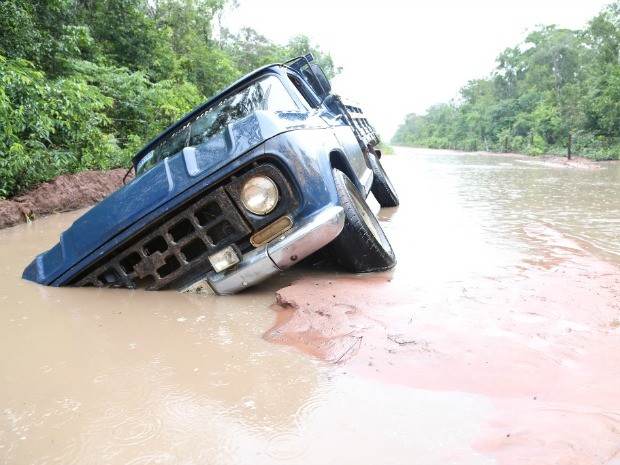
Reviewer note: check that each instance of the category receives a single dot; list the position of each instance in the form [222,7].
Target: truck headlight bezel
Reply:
[259,195]
[288,195]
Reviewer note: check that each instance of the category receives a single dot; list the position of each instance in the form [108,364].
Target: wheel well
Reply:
[338,161]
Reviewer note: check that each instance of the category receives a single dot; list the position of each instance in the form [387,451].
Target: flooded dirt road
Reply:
[494,340]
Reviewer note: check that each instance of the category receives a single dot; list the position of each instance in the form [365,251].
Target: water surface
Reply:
[132,377]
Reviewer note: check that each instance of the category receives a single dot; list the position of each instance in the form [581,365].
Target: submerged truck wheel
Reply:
[382,187]
[362,246]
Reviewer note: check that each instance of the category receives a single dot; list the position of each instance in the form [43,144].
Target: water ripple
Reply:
[140,426]
[308,410]
[186,408]
[286,446]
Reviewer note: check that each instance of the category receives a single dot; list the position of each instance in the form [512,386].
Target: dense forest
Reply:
[558,92]
[85,83]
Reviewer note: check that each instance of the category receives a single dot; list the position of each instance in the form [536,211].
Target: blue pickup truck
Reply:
[267,172]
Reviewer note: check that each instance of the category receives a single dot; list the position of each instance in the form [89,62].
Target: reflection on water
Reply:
[468,212]
[132,377]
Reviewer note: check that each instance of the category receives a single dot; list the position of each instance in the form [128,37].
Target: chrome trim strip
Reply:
[189,156]
[168,175]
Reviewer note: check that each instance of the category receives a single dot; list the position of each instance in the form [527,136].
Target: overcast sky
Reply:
[403,56]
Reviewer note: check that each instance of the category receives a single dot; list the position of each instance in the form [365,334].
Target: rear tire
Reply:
[382,188]
[362,246]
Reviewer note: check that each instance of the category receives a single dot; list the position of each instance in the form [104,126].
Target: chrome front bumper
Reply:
[303,239]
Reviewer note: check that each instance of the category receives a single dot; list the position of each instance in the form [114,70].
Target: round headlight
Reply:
[259,195]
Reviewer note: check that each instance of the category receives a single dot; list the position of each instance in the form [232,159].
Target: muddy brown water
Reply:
[500,260]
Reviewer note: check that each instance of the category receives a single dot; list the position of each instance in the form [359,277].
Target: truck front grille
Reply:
[178,248]
[175,250]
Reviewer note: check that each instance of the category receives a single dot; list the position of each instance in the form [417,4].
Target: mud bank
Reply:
[540,342]
[66,193]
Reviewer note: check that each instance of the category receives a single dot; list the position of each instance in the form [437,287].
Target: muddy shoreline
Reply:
[66,193]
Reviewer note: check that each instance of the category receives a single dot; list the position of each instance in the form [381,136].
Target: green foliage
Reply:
[44,33]
[300,45]
[559,83]
[84,84]
[251,50]
[384,148]
[49,126]
[140,109]
[123,32]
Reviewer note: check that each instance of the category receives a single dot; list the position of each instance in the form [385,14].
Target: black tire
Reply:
[382,188]
[362,246]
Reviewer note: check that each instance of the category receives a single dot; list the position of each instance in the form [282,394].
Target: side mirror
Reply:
[318,81]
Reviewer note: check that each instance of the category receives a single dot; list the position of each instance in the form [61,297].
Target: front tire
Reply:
[382,188]
[362,246]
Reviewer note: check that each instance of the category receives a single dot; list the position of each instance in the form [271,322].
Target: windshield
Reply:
[267,93]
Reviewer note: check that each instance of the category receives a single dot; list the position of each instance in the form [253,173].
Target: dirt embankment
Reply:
[65,193]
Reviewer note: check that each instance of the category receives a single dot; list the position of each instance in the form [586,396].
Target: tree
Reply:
[301,45]
[557,91]
[131,42]
[85,83]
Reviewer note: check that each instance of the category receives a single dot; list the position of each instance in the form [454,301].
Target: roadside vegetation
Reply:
[84,84]
[558,93]
[385,148]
